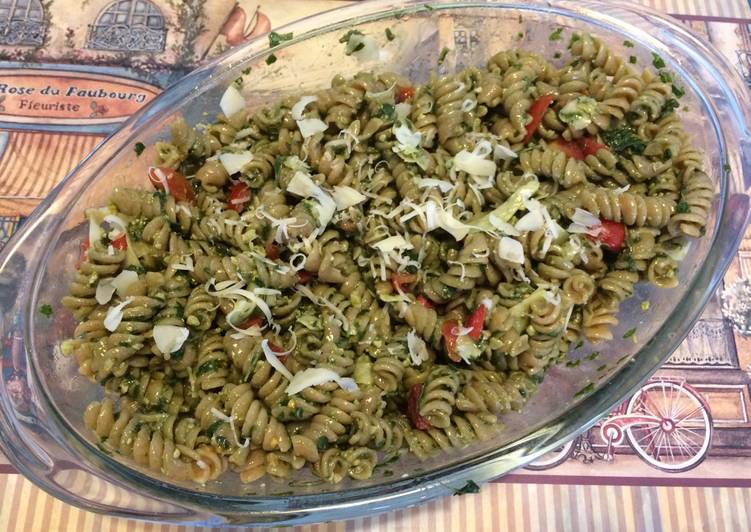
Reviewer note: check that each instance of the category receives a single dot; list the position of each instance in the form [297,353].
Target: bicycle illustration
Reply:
[667,423]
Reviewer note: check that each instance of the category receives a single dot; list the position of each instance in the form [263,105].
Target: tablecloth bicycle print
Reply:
[667,423]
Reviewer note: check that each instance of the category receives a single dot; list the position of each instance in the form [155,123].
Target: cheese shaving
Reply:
[532,221]
[311,126]
[443,186]
[271,358]
[317,376]
[299,108]
[115,315]
[392,243]
[346,197]
[169,338]
[232,101]
[233,163]
[511,250]
[501,152]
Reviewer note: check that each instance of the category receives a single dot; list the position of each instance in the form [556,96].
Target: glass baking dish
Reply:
[42,433]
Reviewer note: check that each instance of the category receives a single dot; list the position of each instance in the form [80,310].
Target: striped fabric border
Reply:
[736,9]
[529,507]
[34,162]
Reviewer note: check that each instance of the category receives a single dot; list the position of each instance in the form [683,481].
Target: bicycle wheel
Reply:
[680,440]
[554,458]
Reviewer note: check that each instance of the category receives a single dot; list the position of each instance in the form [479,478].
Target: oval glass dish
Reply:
[45,438]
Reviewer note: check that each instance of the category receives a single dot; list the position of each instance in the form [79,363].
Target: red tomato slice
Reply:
[570,148]
[239,196]
[177,185]
[121,242]
[612,235]
[449,339]
[257,321]
[272,251]
[304,276]
[424,301]
[536,110]
[399,279]
[590,146]
[276,349]
[404,94]
[413,408]
[476,320]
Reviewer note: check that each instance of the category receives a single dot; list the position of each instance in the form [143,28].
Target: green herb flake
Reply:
[657,61]
[623,140]
[470,487]
[678,92]
[665,76]
[632,59]
[428,7]
[682,207]
[575,37]
[579,344]
[387,111]
[586,390]
[726,168]
[628,44]
[593,355]
[442,55]
[138,148]
[46,310]
[557,55]
[556,35]
[271,59]
[629,333]
[222,442]
[206,367]
[323,443]
[213,428]
[602,368]
[390,34]
[345,38]
[275,39]
[246,71]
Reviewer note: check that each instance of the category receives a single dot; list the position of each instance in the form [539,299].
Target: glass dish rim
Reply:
[481,466]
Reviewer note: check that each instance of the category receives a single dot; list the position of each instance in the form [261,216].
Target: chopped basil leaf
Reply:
[593,355]
[556,35]
[443,55]
[46,310]
[682,207]
[629,333]
[573,363]
[469,487]
[657,61]
[271,59]
[665,76]
[668,107]
[390,34]
[623,141]
[584,391]
[632,59]
[275,39]
[138,148]
[678,92]
[628,44]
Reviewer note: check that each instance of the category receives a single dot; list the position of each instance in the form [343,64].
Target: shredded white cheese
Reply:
[443,186]
[392,243]
[271,358]
[462,266]
[302,185]
[234,162]
[310,126]
[321,301]
[228,419]
[418,350]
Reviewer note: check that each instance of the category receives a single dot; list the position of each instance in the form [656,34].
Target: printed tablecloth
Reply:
[87,76]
